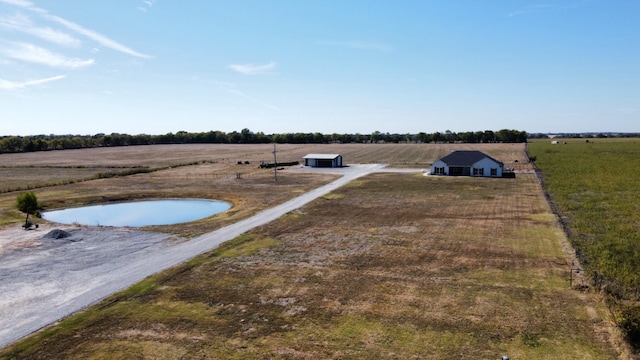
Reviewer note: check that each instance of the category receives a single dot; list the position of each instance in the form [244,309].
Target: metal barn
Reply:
[323,160]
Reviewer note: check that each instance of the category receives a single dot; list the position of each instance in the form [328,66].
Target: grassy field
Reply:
[69,178]
[595,184]
[392,266]
[78,177]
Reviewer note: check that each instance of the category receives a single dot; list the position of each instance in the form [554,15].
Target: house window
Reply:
[438,171]
[494,172]
[478,171]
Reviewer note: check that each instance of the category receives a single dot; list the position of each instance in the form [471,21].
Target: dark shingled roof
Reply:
[465,158]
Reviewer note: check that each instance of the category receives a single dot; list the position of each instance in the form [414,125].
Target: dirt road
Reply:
[43,280]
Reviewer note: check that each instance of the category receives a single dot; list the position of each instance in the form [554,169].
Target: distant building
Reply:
[467,163]
[323,160]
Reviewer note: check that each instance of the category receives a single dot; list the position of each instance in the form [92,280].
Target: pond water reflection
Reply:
[139,213]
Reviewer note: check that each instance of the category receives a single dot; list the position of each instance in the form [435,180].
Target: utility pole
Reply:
[275,164]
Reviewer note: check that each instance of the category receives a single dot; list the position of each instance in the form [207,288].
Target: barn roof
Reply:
[466,158]
[321,156]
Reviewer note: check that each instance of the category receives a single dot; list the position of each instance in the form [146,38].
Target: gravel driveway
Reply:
[43,280]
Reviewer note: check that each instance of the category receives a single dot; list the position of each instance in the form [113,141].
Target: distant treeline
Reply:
[18,144]
[584,135]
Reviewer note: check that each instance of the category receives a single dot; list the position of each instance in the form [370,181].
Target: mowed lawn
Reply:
[392,266]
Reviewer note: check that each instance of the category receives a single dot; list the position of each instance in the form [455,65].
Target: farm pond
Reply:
[139,213]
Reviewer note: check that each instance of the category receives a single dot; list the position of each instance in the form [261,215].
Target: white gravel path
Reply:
[45,280]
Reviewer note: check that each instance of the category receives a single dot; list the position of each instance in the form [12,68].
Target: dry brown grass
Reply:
[414,155]
[64,178]
[392,266]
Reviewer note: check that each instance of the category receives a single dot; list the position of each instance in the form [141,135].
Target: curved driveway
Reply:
[41,285]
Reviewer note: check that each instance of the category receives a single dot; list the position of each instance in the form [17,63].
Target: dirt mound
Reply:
[57,234]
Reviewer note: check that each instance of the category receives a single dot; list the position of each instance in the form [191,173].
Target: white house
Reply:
[467,163]
[323,160]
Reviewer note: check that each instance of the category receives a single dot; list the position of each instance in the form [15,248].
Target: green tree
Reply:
[246,136]
[27,203]
[421,137]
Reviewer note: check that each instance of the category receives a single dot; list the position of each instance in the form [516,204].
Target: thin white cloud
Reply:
[12,85]
[24,24]
[38,55]
[261,103]
[231,89]
[251,69]
[21,3]
[359,45]
[221,84]
[272,107]
[146,5]
[99,38]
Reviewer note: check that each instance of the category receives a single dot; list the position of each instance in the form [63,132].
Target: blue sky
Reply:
[332,66]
